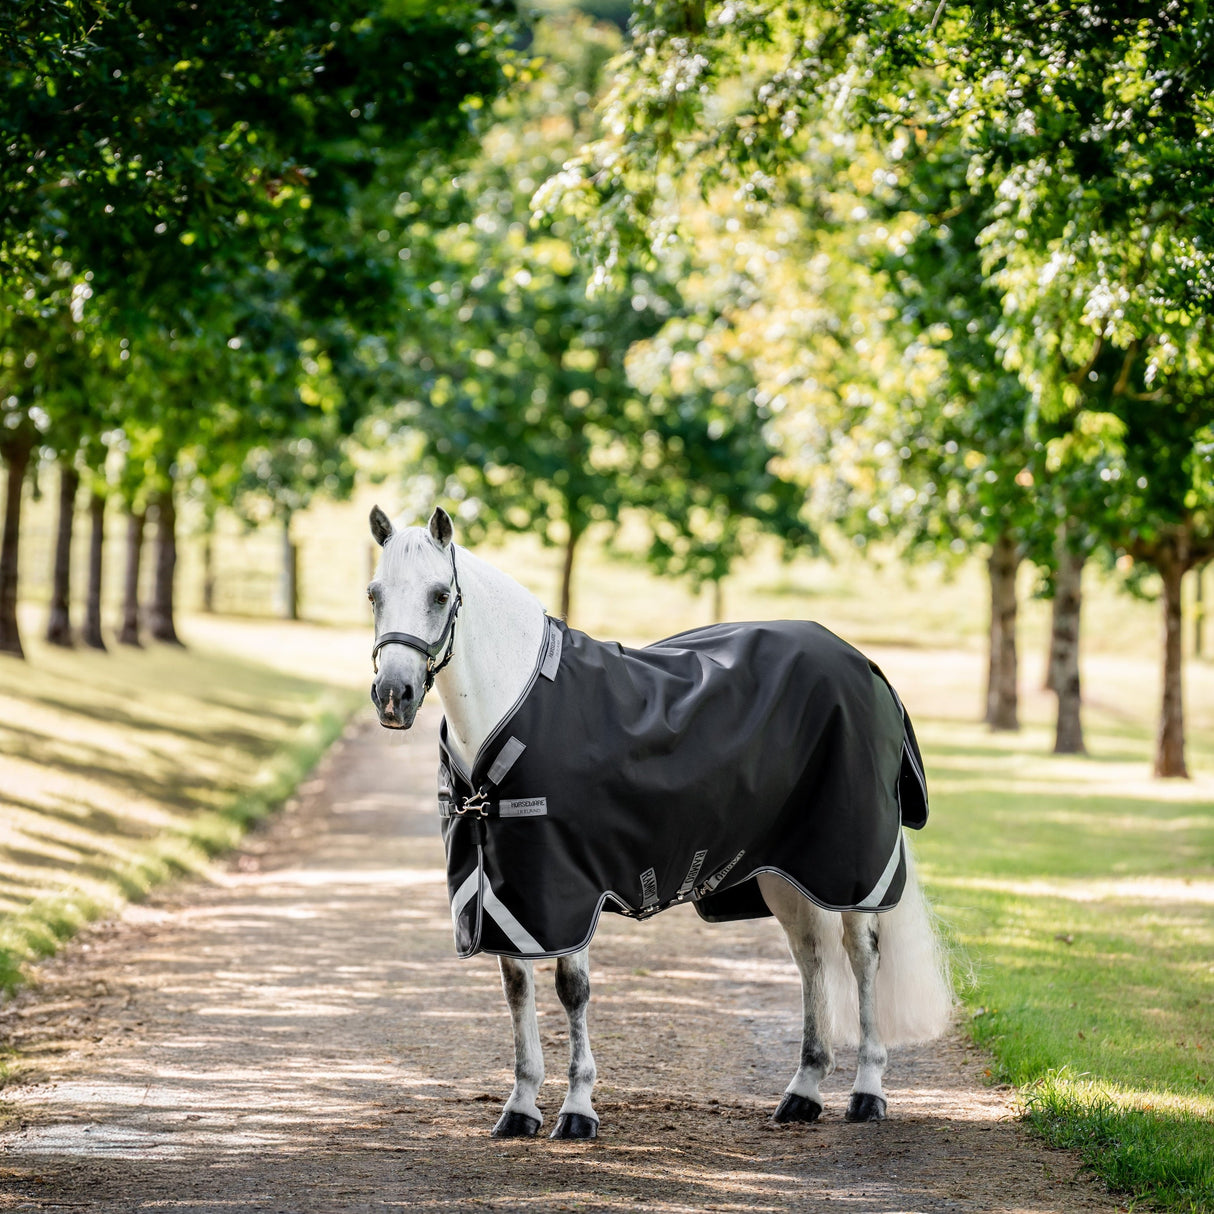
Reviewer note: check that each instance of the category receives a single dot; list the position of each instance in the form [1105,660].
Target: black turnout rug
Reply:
[633,779]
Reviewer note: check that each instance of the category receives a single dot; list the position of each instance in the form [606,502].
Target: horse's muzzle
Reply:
[396,704]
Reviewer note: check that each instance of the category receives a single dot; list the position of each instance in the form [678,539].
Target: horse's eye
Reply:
[441,597]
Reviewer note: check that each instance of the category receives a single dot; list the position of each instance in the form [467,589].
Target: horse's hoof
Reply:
[575,1125]
[864,1106]
[797,1108]
[516,1125]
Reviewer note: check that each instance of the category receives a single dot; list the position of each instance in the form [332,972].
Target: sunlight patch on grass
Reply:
[1158,1147]
[119,771]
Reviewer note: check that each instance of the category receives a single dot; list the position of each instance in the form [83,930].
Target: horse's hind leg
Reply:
[577,1117]
[521,1117]
[806,926]
[860,938]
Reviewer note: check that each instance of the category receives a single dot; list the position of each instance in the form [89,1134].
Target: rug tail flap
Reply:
[912,783]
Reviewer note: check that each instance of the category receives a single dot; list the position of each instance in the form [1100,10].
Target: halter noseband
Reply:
[430,649]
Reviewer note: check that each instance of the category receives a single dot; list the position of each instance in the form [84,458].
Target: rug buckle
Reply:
[476,806]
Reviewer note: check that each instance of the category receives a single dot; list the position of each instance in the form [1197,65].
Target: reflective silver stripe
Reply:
[506,759]
[874,899]
[552,652]
[466,892]
[517,933]
[492,906]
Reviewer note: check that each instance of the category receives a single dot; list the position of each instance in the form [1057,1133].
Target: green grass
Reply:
[1078,892]
[1163,1154]
[120,771]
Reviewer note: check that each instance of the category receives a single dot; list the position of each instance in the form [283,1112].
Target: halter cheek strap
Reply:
[446,639]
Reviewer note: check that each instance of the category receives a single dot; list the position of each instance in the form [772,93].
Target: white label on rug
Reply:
[552,653]
[531,807]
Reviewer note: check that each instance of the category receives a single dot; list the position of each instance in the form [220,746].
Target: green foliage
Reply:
[706,468]
[198,240]
[535,411]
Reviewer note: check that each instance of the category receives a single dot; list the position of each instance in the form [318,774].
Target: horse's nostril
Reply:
[406,695]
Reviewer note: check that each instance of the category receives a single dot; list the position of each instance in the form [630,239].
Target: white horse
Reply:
[866,978]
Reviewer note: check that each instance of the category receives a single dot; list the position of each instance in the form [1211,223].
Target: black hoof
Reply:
[864,1106]
[797,1108]
[575,1125]
[516,1125]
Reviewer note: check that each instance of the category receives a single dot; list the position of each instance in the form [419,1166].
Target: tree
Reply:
[1085,129]
[281,480]
[520,381]
[147,154]
[706,475]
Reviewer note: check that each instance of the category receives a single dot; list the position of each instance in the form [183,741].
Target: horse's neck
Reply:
[497,643]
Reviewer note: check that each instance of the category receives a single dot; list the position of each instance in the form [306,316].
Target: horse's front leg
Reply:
[577,1117]
[521,1118]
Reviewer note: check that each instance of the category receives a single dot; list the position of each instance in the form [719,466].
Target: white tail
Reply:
[914,986]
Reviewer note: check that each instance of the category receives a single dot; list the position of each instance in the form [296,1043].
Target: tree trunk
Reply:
[1064,651]
[59,624]
[16,453]
[208,571]
[290,573]
[160,613]
[1050,682]
[718,600]
[1002,710]
[129,632]
[1169,751]
[1199,612]
[91,634]
[567,572]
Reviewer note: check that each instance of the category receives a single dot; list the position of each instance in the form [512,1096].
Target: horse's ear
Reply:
[442,530]
[381,526]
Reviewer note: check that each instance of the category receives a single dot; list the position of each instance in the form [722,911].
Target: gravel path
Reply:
[297,1035]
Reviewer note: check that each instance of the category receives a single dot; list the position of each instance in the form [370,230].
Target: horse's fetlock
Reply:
[874,1055]
[817,1057]
[582,1074]
[529,1076]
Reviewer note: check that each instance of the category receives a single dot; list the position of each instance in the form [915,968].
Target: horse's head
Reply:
[415,595]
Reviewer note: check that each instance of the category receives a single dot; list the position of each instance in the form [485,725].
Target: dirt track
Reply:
[299,1036]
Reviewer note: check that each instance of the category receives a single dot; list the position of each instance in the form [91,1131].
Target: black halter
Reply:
[430,649]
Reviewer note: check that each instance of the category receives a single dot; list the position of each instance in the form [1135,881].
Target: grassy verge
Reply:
[1081,893]
[119,771]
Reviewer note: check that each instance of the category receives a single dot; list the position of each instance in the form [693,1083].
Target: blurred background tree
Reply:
[191,161]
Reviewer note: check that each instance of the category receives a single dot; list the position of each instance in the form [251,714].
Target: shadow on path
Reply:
[298,1036]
